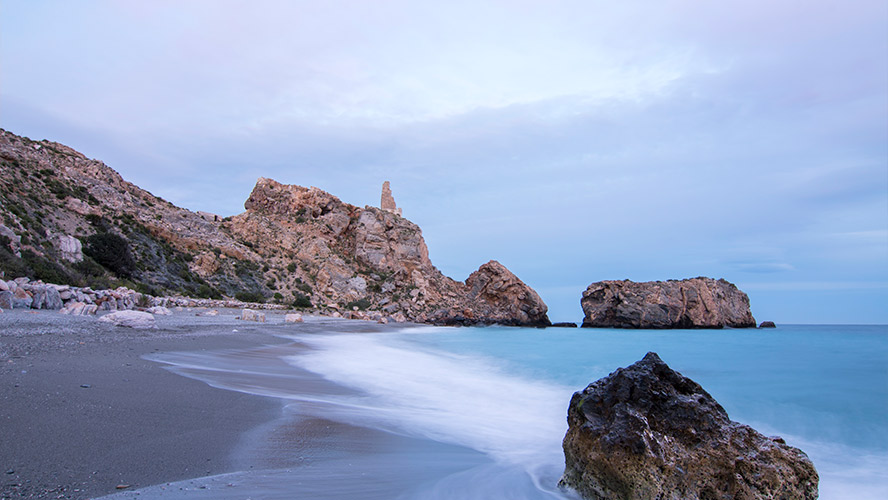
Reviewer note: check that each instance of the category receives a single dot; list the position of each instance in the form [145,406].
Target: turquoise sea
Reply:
[479,413]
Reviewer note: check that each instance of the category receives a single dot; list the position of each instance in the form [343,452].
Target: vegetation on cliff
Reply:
[68,219]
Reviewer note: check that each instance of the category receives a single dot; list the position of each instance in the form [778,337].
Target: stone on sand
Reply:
[130,319]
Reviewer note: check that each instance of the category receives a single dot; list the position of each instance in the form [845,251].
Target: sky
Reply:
[573,141]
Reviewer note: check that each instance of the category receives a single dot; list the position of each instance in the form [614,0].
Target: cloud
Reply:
[573,141]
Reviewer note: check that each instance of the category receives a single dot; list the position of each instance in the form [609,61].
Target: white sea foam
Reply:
[451,398]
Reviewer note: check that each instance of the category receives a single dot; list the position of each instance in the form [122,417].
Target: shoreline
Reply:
[83,411]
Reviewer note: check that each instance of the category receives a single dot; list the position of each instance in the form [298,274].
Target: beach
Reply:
[218,408]
[83,412]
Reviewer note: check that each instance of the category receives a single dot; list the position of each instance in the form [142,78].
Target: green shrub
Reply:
[207,292]
[12,266]
[89,267]
[111,251]
[305,287]
[361,304]
[245,296]
[46,270]
[291,267]
[301,301]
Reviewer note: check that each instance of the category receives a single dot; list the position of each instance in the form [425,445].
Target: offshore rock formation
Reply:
[74,221]
[692,303]
[646,432]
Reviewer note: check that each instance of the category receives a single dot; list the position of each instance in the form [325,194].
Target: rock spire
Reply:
[388,201]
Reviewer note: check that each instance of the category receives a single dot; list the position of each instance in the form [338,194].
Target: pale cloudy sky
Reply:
[574,141]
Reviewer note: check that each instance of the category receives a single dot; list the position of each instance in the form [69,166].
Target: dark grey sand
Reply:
[82,412]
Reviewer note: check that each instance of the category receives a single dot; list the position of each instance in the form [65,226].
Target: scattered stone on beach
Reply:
[251,315]
[647,431]
[6,298]
[293,318]
[211,312]
[130,319]
[691,303]
[159,311]
[767,324]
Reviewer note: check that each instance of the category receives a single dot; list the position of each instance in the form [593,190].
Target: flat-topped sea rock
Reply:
[647,432]
[691,303]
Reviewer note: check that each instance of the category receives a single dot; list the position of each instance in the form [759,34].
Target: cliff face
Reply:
[68,219]
[73,220]
[646,431]
[373,258]
[691,303]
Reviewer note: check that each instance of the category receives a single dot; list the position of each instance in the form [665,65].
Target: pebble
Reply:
[85,386]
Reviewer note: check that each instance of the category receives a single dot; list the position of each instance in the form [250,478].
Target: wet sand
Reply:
[81,411]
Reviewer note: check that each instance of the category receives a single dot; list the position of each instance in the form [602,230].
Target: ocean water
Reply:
[479,413]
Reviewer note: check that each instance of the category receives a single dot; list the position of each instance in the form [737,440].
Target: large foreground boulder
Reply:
[647,432]
[691,303]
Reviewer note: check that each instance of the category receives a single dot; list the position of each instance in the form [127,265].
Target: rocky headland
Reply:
[691,303]
[646,432]
[74,222]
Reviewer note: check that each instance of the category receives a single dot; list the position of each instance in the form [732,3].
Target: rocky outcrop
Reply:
[692,303]
[767,324]
[494,295]
[373,259]
[646,432]
[302,247]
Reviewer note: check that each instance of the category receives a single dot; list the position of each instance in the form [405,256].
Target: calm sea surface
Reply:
[464,413]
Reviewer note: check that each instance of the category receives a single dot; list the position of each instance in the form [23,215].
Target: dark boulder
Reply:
[767,324]
[647,432]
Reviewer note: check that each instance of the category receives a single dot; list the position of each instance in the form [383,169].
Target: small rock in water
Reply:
[85,386]
[767,324]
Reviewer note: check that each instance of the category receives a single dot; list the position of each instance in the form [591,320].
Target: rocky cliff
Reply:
[647,432]
[692,303]
[68,219]
[373,258]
